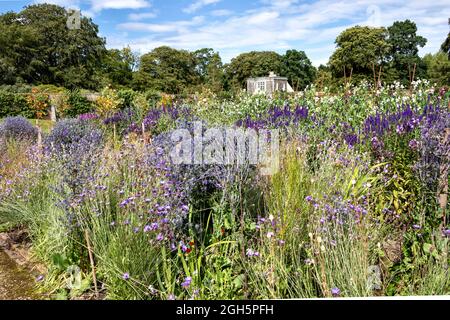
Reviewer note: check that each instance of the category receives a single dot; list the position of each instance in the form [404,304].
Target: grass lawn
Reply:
[46,125]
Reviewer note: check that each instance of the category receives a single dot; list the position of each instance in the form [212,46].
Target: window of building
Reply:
[261,86]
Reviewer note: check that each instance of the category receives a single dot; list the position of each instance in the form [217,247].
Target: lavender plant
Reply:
[17,128]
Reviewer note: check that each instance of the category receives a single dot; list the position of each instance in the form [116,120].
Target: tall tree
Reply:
[209,67]
[118,66]
[252,64]
[298,69]
[166,69]
[358,50]
[404,47]
[438,68]
[446,45]
[49,52]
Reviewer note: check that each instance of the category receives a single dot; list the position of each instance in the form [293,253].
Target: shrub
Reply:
[17,128]
[39,102]
[126,96]
[76,104]
[108,103]
[153,97]
[69,133]
[74,143]
[12,104]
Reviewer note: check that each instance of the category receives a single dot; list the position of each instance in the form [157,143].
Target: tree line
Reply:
[37,47]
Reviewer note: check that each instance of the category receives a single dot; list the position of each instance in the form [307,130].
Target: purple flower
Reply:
[126,276]
[335,292]
[40,278]
[416,226]
[187,282]
[17,128]
[147,228]
[413,144]
[447,232]
[87,116]
[159,237]
[153,226]
[308,198]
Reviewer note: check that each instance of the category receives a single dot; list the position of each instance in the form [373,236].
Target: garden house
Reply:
[268,84]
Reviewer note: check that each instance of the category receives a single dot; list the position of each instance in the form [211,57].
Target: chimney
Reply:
[272,74]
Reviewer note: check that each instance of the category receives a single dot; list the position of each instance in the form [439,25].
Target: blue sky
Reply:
[235,26]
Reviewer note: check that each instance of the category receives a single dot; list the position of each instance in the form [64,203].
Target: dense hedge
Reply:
[77,104]
[12,104]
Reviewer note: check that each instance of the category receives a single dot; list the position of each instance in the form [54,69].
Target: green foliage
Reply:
[118,66]
[76,104]
[252,64]
[438,68]
[166,69]
[153,97]
[12,104]
[404,47]
[446,44]
[126,96]
[41,49]
[358,50]
[210,68]
[298,69]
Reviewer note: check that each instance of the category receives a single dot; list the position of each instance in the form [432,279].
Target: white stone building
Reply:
[268,84]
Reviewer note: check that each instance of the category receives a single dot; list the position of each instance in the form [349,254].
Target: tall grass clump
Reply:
[315,240]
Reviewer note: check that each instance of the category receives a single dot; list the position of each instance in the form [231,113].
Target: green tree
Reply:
[167,70]
[438,68]
[252,64]
[118,66]
[404,46]
[41,49]
[209,67]
[298,69]
[445,47]
[323,78]
[358,50]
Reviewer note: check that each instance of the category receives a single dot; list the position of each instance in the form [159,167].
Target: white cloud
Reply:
[221,13]
[142,16]
[96,6]
[281,24]
[199,4]
[99,5]
[176,26]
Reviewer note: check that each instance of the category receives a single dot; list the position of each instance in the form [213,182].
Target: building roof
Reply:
[271,75]
[267,78]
